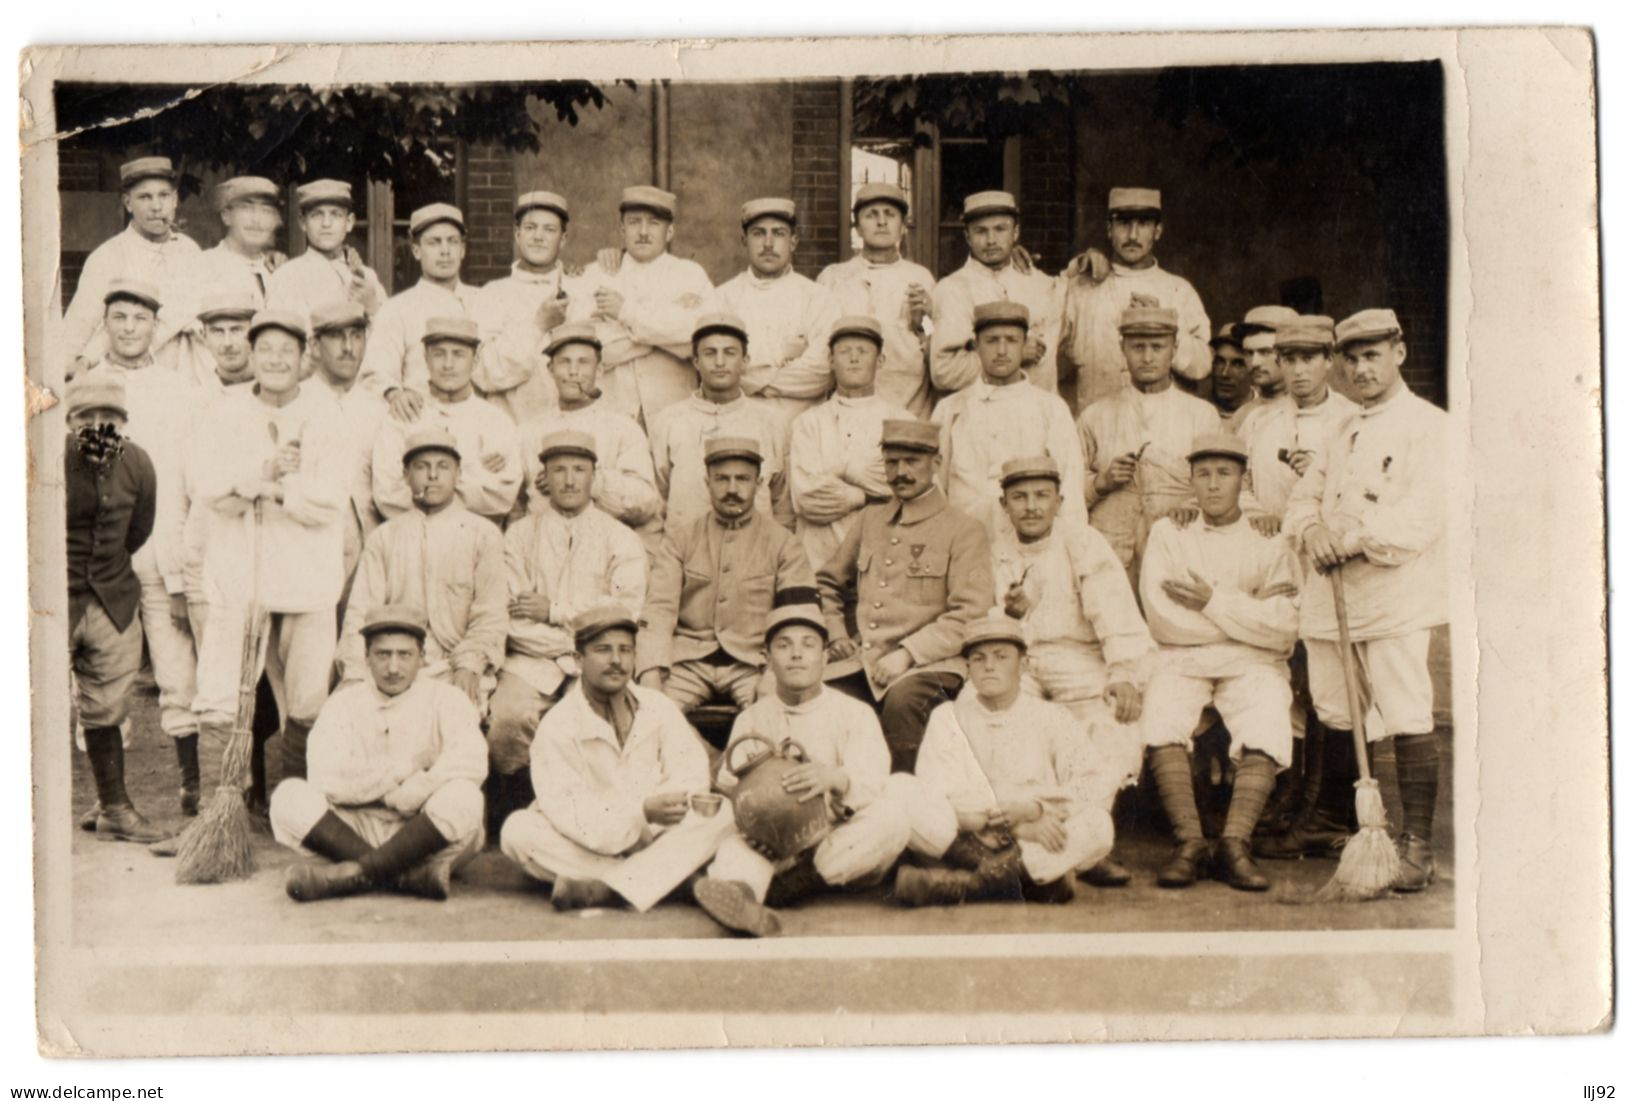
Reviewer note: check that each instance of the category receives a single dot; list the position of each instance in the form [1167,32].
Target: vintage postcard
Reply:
[823,542]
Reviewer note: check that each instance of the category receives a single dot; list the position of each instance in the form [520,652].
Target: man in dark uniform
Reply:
[923,571]
[112,493]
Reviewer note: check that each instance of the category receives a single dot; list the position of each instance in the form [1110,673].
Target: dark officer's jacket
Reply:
[110,515]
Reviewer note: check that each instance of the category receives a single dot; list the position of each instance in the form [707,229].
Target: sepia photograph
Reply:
[544,546]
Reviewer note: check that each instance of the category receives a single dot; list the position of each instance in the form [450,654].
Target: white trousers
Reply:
[1089,837]
[297,655]
[643,875]
[1395,671]
[1075,680]
[174,660]
[456,808]
[1255,705]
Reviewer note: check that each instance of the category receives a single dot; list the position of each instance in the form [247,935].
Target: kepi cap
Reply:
[1032,466]
[542,200]
[880,193]
[1128,199]
[795,605]
[341,313]
[1218,445]
[1264,319]
[644,197]
[317,192]
[1226,334]
[97,390]
[721,323]
[286,320]
[569,441]
[135,290]
[145,168]
[1368,325]
[226,305]
[985,204]
[433,438]
[462,329]
[767,208]
[1002,312]
[910,435]
[604,617]
[425,216]
[732,447]
[993,627]
[573,332]
[1148,318]
[242,188]
[1312,331]
[857,325]
[406,618]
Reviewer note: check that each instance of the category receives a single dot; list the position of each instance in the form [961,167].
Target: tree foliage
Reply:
[993,105]
[400,133]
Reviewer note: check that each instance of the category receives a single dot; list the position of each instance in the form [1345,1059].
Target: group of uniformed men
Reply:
[508,547]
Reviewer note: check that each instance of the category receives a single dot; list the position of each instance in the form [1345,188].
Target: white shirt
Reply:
[835,449]
[623,480]
[785,313]
[1281,424]
[576,562]
[512,361]
[678,437]
[395,343]
[955,366]
[366,745]
[1380,489]
[479,428]
[985,426]
[362,412]
[311,279]
[880,291]
[128,255]
[1091,315]
[833,729]
[665,298]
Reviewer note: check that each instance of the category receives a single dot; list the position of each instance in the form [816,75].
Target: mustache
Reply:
[730,499]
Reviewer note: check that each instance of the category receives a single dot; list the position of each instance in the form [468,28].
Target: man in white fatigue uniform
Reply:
[488,483]
[1089,332]
[678,434]
[442,558]
[561,561]
[224,319]
[879,283]
[615,768]
[393,798]
[623,480]
[1087,646]
[163,411]
[395,366]
[272,466]
[241,264]
[519,312]
[1014,770]
[835,463]
[846,763]
[788,315]
[1374,507]
[1256,331]
[993,231]
[329,270]
[1221,601]
[1001,416]
[149,250]
[1136,440]
[1232,381]
[711,585]
[645,309]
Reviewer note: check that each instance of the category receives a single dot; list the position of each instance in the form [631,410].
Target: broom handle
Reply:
[235,767]
[1351,674]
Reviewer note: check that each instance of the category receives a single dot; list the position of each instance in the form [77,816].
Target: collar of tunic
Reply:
[921,508]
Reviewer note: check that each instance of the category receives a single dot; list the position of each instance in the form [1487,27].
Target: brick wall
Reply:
[80,170]
[1047,191]
[815,173]
[491,194]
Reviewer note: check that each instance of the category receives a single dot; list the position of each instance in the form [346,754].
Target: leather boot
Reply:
[1189,863]
[1284,801]
[1315,835]
[1235,865]
[295,737]
[313,880]
[426,879]
[918,886]
[117,819]
[1057,893]
[1107,873]
[581,894]
[87,820]
[186,758]
[333,838]
[257,796]
[1415,864]
[732,906]
[796,883]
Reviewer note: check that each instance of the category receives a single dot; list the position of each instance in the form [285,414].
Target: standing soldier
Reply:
[272,468]
[788,315]
[1232,381]
[329,270]
[1089,333]
[1001,416]
[150,250]
[1257,335]
[921,571]
[112,496]
[835,463]
[990,274]
[519,312]
[395,367]
[1136,440]
[1087,647]
[879,283]
[1374,507]
[225,319]
[488,482]
[719,407]
[711,585]
[393,798]
[561,561]
[623,481]
[645,302]
[1220,599]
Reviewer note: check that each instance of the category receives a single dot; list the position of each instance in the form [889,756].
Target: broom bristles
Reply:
[1368,867]
[218,847]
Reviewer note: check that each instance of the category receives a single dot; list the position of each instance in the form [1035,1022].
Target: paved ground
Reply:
[125,896]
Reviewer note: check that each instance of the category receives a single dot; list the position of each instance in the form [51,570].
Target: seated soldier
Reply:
[562,561]
[393,798]
[711,585]
[442,558]
[1220,599]
[848,764]
[1020,780]
[615,766]
[1087,647]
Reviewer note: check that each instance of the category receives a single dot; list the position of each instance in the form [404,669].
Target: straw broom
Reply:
[1369,865]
